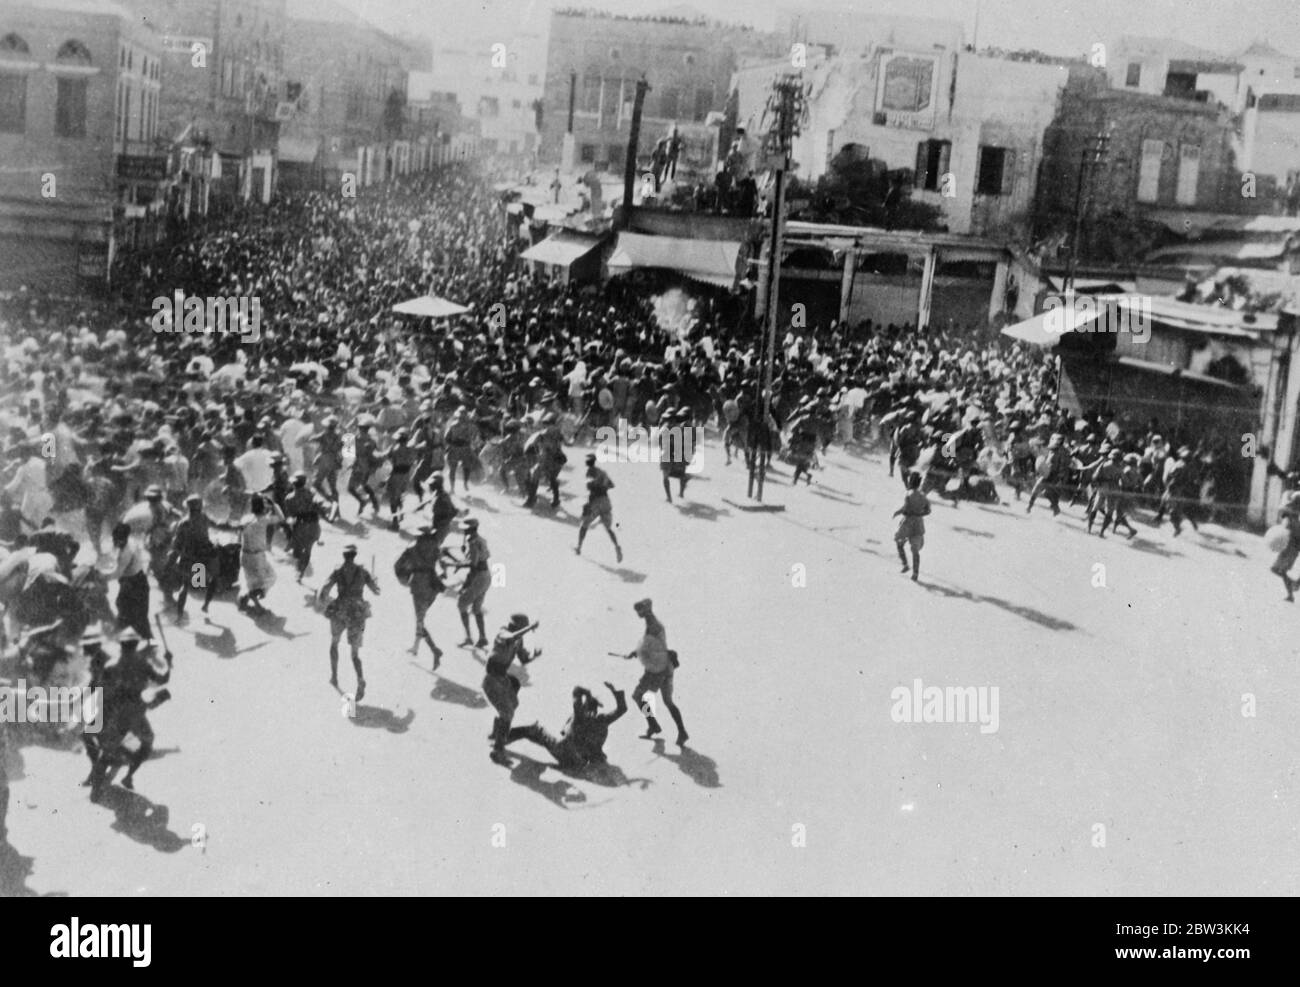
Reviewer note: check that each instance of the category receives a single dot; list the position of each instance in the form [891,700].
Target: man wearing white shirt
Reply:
[255,465]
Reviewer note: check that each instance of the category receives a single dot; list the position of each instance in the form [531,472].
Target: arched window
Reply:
[70,108]
[74,53]
[12,45]
[14,54]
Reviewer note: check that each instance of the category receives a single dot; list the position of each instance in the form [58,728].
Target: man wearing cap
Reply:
[598,507]
[1051,468]
[303,509]
[193,555]
[459,437]
[477,582]
[125,710]
[132,582]
[328,462]
[502,688]
[657,676]
[545,449]
[365,461]
[1182,490]
[582,741]
[348,611]
[401,459]
[419,569]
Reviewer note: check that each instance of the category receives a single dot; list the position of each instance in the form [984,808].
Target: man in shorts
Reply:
[911,530]
[348,611]
[657,676]
[598,507]
[474,591]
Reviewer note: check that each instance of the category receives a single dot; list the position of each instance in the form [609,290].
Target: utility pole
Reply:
[786,108]
[1092,155]
[633,137]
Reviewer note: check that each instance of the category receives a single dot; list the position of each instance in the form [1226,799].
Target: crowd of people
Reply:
[194,451]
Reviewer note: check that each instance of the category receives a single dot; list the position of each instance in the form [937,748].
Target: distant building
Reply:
[82,176]
[966,128]
[222,89]
[346,93]
[688,65]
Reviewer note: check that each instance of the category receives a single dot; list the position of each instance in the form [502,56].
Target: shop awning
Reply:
[1047,328]
[1167,371]
[562,248]
[299,150]
[710,261]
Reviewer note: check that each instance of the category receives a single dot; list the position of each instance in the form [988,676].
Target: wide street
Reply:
[1111,771]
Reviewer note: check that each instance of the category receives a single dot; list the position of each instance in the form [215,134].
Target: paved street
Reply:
[793,629]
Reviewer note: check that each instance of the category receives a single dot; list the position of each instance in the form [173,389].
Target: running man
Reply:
[658,663]
[916,505]
[598,507]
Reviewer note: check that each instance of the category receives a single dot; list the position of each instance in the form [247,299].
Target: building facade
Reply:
[346,94]
[599,59]
[79,104]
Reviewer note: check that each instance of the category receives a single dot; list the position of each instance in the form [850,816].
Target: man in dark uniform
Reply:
[303,509]
[582,741]
[126,713]
[545,449]
[598,507]
[193,555]
[476,585]
[501,688]
[401,457]
[419,568]
[443,512]
[348,611]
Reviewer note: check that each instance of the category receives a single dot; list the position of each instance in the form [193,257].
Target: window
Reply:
[13,103]
[1133,77]
[932,164]
[70,109]
[1149,171]
[489,106]
[1189,170]
[588,153]
[617,155]
[703,103]
[992,177]
[515,104]
[590,101]
[668,100]
[532,79]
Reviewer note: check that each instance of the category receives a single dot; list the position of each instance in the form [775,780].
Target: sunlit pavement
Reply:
[1124,761]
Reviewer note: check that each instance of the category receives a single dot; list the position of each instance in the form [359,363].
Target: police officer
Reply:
[582,741]
[348,611]
[501,688]
[303,509]
[420,568]
[476,585]
[598,506]
[193,554]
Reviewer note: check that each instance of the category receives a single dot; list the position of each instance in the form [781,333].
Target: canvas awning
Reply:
[430,306]
[298,150]
[710,261]
[562,248]
[1047,328]
[1167,371]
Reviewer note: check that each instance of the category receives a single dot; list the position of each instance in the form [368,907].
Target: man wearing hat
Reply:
[459,438]
[1182,490]
[657,662]
[582,741]
[328,462]
[502,688]
[477,582]
[303,509]
[419,570]
[193,555]
[598,507]
[1051,468]
[545,450]
[132,582]
[348,611]
[126,711]
[401,459]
